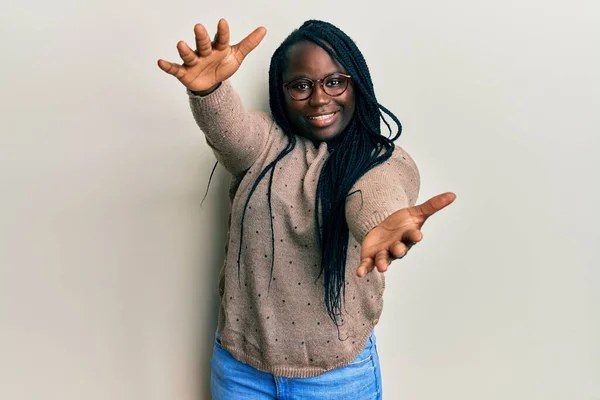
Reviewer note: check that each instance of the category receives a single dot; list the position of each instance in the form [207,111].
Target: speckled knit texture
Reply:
[283,328]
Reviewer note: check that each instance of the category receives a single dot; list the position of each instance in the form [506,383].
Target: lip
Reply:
[322,120]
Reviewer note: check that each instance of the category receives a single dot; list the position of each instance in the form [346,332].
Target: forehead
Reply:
[309,60]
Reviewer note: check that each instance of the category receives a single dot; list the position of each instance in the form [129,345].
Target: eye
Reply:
[300,85]
[335,81]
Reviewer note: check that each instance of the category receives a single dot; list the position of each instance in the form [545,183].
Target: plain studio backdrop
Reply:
[108,265]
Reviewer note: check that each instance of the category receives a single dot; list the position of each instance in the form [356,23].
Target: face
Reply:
[320,117]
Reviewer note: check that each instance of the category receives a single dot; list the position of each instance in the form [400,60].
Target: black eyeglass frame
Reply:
[321,83]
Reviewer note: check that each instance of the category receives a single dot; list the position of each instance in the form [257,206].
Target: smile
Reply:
[323,120]
[322,117]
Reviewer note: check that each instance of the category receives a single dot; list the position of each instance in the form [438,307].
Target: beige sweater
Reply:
[285,330]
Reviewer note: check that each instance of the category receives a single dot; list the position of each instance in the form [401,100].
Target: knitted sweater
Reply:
[279,323]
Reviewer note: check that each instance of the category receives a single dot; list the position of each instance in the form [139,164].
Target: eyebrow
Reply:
[293,78]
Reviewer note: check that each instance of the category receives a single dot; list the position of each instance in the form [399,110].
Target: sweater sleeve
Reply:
[237,136]
[382,191]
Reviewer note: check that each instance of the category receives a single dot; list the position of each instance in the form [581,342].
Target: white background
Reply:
[108,264]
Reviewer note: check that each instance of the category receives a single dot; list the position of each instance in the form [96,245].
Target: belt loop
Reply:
[372,337]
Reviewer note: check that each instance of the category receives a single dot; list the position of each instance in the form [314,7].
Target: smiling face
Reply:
[320,117]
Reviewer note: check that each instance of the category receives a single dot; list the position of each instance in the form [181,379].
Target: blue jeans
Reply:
[359,380]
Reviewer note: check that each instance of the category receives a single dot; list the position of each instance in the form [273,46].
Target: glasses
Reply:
[302,88]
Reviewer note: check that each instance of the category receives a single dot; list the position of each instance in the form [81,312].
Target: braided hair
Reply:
[354,152]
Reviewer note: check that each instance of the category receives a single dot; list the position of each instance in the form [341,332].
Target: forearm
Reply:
[237,136]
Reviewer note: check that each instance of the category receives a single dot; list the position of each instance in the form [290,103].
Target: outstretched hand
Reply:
[212,62]
[396,234]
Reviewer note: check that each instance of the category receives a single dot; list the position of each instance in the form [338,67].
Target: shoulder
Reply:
[400,162]
[399,173]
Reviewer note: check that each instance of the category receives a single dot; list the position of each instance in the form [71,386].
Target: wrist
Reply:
[206,92]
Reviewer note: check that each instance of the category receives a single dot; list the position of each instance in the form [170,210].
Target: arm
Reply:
[386,222]
[237,136]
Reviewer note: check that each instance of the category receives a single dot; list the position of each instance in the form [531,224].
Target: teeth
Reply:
[322,116]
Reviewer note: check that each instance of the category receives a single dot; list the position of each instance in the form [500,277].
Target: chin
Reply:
[324,135]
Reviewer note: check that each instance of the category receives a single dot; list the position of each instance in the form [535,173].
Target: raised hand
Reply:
[212,62]
[396,234]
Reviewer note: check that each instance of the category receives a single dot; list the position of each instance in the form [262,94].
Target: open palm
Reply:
[396,234]
[212,62]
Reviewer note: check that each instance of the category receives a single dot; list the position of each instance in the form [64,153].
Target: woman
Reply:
[316,192]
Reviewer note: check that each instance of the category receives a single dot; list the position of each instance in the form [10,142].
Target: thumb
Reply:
[433,205]
[250,42]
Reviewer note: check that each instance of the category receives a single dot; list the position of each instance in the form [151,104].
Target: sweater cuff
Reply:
[212,100]
[365,227]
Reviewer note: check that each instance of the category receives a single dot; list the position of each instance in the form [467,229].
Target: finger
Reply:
[221,41]
[186,53]
[172,69]
[399,249]
[412,237]
[433,205]
[249,43]
[382,260]
[365,266]
[203,44]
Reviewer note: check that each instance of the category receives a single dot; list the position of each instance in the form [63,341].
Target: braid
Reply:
[359,150]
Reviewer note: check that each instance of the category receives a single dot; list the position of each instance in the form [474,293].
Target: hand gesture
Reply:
[396,234]
[212,62]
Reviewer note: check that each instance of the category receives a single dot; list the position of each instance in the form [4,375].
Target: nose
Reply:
[319,97]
